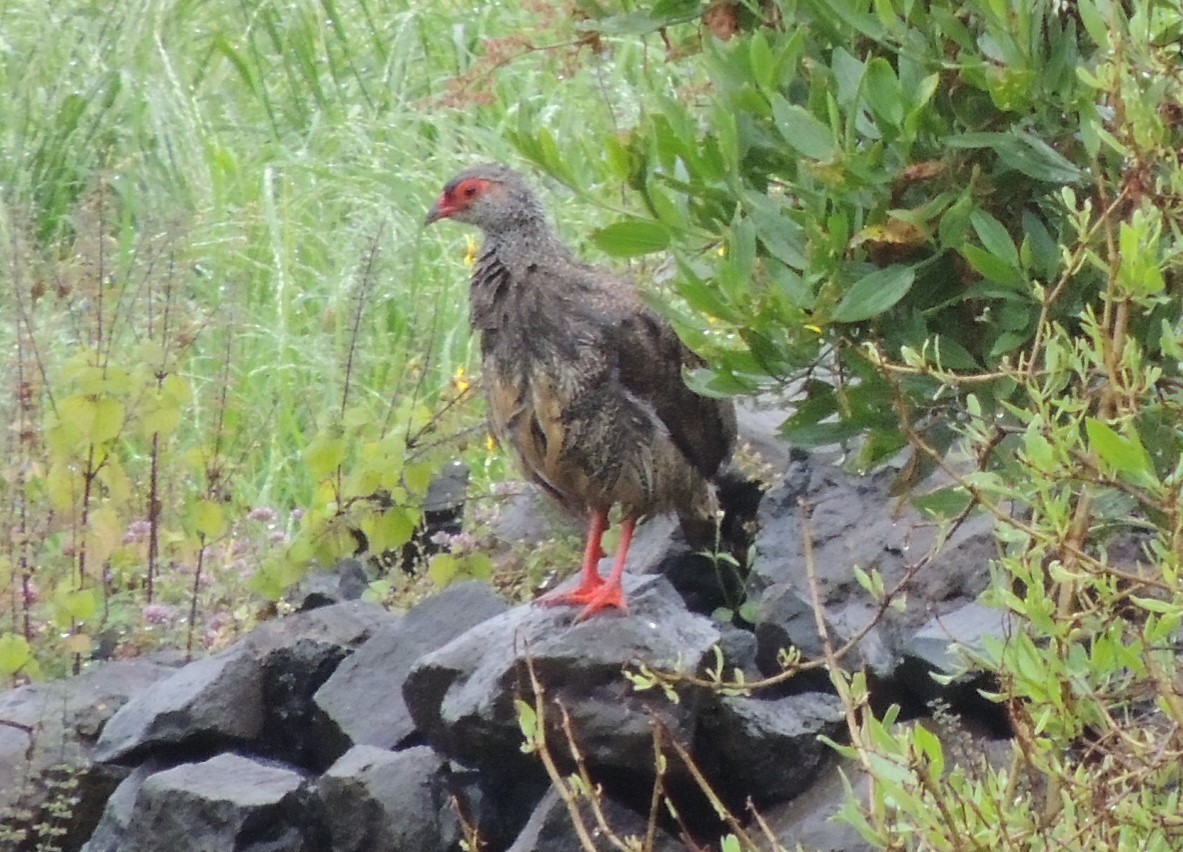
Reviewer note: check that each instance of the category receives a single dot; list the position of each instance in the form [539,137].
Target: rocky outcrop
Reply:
[346,727]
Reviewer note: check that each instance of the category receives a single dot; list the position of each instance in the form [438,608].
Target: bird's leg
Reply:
[610,593]
[590,580]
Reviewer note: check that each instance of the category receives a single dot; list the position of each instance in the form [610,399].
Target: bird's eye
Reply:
[470,191]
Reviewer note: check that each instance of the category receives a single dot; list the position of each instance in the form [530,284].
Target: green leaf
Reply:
[207,518]
[631,237]
[108,420]
[15,654]
[781,237]
[994,237]
[325,454]
[417,477]
[819,434]
[528,724]
[1122,454]
[390,529]
[944,503]
[442,569]
[1024,153]
[992,268]
[873,294]
[884,95]
[802,131]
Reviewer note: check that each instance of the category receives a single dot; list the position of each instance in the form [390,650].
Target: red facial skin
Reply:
[455,199]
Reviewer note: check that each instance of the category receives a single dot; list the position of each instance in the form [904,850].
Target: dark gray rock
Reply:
[855,521]
[809,821]
[948,644]
[226,802]
[462,696]
[768,749]
[550,828]
[47,736]
[528,516]
[218,702]
[110,833]
[345,581]
[373,677]
[738,647]
[291,719]
[380,799]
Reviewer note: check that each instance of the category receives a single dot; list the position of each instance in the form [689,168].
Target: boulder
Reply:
[854,521]
[374,676]
[768,750]
[550,827]
[811,821]
[345,581]
[226,802]
[462,697]
[47,736]
[218,702]
[380,799]
[111,831]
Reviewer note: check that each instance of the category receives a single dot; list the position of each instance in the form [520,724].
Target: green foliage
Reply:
[951,229]
[229,344]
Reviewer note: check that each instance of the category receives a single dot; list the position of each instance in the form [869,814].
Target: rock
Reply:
[291,719]
[462,696]
[374,675]
[346,581]
[786,620]
[47,735]
[530,517]
[218,702]
[946,646]
[768,749]
[226,802]
[111,831]
[808,821]
[550,828]
[379,799]
[942,643]
[738,647]
[211,703]
[855,522]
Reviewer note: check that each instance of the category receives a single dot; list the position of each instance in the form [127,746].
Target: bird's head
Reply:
[493,197]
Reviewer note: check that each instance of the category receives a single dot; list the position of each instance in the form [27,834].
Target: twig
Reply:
[705,786]
[552,770]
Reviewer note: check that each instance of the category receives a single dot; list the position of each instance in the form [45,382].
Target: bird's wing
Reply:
[650,359]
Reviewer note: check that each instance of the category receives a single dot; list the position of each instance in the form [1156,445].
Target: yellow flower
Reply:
[460,380]
[490,443]
[470,252]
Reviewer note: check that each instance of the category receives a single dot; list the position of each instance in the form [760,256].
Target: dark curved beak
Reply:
[441,210]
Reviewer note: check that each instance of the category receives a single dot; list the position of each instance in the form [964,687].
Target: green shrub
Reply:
[950,234]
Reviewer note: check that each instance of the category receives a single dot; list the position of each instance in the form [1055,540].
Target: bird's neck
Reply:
[512,271]
[529,243]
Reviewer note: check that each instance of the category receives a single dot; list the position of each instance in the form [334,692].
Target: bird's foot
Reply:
[608,595]
[580,596]
[593,597]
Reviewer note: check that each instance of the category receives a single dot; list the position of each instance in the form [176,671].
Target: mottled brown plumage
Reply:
[583,381]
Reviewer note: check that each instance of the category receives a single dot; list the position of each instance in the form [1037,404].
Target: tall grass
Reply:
[211,212]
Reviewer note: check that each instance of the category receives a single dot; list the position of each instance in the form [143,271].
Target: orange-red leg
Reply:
[610,593]
[590,580]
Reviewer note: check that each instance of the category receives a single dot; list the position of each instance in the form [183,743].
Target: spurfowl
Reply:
[583,382]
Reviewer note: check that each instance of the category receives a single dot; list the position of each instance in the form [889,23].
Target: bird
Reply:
[583,382]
